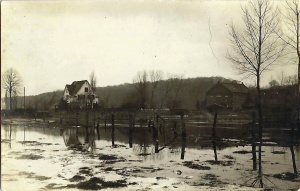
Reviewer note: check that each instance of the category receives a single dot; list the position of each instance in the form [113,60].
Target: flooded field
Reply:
[39,156]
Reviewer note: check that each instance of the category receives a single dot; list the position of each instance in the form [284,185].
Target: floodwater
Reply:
[37,157]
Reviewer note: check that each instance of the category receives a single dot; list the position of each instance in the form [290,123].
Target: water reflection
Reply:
[146,144]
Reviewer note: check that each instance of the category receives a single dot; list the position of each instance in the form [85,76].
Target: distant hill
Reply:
[191,91]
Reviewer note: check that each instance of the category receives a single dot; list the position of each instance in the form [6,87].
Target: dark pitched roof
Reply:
[75,87]
[235,87]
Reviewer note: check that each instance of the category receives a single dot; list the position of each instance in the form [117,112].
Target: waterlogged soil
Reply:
[43,161]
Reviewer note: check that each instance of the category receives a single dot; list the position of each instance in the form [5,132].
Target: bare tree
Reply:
[140,82]
[15,99]
[6,100]
[290,80]
[291,38]
[177,85]
[11,83]
[93,81]
[48,102]
[167,89]
[106,100]
[92,93]
[281,77]
[256,47]
[155,77]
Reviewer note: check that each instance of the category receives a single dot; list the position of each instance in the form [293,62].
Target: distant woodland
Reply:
[172,93]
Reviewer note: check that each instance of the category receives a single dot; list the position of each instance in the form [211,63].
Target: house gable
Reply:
[218,89]
[85,89]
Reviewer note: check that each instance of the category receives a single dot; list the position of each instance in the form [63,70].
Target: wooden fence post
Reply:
[130,132]
[113,129]
[183,145]
[105,121]
[253,142]
[183,126]
[174,129]
[292,146]
[94,120]
[98,130]
[77,119]
[163,129]
[214,136]
[183,136]
[149,125]
[87,128]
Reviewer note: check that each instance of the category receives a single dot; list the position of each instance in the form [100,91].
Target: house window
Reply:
[86,89]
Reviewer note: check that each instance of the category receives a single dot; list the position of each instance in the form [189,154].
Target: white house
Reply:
[80,93]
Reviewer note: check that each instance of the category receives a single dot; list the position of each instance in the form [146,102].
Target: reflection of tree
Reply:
[140,82]
[155,77]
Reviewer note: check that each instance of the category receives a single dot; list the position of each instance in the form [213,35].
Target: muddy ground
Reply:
[44,162]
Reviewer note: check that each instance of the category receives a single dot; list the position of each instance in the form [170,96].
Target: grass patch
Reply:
[30,157]
[96,183]
[192,165]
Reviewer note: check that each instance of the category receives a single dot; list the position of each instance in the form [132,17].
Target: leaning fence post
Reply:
[113,129]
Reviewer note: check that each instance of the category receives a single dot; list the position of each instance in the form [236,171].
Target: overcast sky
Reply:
[55,43]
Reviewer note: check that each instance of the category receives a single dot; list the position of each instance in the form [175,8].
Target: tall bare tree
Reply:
[140,81]
[291,38]
[167,89]
[256,47]
[155,77]
[93,81]
[11,83]
[177,84]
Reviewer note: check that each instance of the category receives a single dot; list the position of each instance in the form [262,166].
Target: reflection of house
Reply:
[80,94]
[229,95]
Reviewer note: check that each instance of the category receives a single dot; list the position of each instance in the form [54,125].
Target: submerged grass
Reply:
[96,183]
[30,157]
[192,165]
